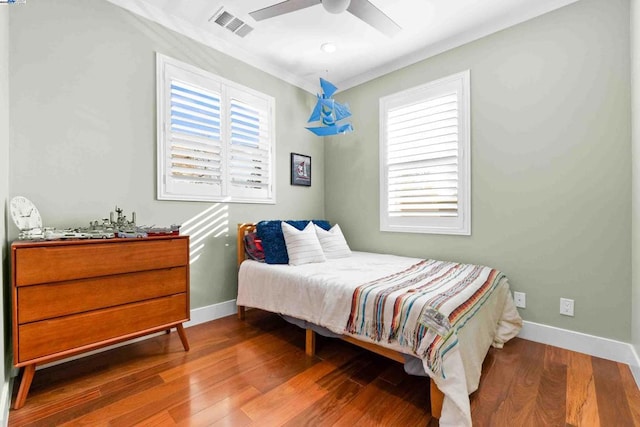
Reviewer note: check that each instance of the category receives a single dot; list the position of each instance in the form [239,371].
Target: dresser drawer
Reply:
[55,263]
[87,330]
[39,302]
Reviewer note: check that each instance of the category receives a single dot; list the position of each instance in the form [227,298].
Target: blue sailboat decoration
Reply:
[329,112]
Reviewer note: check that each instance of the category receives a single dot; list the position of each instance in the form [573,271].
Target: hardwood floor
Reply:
[256,373]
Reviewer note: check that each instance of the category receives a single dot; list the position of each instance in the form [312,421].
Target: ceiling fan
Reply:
[362,9]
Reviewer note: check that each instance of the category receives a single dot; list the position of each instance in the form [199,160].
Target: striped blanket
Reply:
[422,307]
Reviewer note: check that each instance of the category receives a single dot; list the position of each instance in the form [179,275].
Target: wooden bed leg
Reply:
[437,398]
[310,343]
[241,312]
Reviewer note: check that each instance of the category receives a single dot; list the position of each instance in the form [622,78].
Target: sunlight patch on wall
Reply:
[212,221]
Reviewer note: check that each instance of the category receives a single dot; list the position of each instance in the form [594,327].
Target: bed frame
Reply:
[436,396]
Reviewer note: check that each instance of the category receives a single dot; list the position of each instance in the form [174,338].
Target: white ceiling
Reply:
[288,46]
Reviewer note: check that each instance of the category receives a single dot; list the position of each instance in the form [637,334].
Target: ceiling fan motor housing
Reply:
[335,6]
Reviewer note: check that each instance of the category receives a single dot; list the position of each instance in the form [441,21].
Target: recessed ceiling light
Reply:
[328,47]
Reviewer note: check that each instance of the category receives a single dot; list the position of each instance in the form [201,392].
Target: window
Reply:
[215,137]
[425,158]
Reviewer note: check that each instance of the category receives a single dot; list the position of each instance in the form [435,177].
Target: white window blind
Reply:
[215,138]
[425,158]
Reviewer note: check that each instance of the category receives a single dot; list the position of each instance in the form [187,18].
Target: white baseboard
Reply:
[211,312]
[635,367]
[5,401]
[576,341]
[592,345]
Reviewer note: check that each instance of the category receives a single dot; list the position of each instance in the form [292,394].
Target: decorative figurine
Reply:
[27,218]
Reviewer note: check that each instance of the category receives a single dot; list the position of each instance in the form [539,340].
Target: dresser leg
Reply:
[183,337]
[27,377]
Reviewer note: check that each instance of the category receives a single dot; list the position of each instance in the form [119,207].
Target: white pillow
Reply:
[303,246]
[333,242]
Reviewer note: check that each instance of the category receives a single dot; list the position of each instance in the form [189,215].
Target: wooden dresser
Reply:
[73,296]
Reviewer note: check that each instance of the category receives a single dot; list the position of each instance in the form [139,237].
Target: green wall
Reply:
[551,148]
[635,108]
[551,170]
[5,325]
[83,129]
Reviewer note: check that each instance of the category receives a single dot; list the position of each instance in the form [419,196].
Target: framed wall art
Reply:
[300,169]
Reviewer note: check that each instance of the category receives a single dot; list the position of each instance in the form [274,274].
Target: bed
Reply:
[336,298]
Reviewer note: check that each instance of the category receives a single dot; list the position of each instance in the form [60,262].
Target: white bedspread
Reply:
[321,293]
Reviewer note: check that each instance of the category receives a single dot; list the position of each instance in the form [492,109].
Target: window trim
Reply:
[461,225]
[225,86]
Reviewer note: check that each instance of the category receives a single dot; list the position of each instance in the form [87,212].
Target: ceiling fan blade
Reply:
[373,16]
[282,8]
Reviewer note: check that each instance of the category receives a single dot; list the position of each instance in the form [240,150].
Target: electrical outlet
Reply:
[566,306]
[520,298]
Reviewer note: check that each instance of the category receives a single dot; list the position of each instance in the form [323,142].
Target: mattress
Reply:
[321,293]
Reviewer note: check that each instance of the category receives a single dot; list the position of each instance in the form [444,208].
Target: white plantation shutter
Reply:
[425,158]
[422,160]
[250,148]
[195,146]
[215,138]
